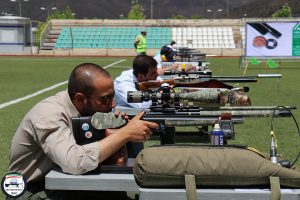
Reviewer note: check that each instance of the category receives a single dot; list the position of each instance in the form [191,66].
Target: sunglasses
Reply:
[104,99]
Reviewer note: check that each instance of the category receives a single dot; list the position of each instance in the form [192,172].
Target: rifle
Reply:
[199,67]
[184,72]
[190,54]
[202,81]
[168,111]
[207,97]
[182,116]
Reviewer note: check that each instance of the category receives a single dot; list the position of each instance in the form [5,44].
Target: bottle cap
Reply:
[217,126]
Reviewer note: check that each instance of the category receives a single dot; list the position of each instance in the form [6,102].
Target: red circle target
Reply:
[259,41]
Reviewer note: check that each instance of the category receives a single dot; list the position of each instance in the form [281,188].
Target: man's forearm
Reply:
[111,144]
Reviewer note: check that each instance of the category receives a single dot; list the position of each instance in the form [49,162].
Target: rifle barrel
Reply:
[252,108]
[186,121]
[217,113]
[248,113]
[235,79]
[205,117]
[269,75]
[201,74]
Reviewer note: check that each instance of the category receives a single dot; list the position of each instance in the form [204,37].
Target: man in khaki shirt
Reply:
[45,138]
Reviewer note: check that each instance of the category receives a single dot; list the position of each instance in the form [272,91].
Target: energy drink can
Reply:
[216,135]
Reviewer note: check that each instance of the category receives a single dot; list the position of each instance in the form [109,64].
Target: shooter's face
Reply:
[101,99]
[151,75]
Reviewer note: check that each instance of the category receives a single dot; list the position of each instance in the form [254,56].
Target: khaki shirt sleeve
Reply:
[54,135]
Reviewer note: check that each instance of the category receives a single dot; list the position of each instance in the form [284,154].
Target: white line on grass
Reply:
[3,105]
[107,66]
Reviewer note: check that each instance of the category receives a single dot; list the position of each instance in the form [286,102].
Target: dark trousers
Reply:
[134,148]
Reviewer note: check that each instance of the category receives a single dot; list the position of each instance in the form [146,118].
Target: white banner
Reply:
[272,39]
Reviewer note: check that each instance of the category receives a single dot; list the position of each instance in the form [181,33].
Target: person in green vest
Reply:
[140,43]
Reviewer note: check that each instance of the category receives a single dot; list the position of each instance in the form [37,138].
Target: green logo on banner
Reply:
[296,40]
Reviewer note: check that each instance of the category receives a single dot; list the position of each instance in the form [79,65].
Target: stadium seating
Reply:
[204,37]
[123,37]
[110,37]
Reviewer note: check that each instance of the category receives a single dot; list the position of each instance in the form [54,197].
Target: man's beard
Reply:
[89,111]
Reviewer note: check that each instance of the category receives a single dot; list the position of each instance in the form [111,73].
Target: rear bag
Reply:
[211,166]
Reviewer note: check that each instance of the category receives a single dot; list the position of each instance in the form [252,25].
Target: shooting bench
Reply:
[57,180]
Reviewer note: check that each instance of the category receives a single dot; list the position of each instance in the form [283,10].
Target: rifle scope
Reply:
[207,95]
[139,97]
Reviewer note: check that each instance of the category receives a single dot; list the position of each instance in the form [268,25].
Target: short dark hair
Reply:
[82,76]
[165,50]
[142,63]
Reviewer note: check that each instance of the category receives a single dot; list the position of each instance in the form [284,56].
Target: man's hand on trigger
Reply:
[140,130]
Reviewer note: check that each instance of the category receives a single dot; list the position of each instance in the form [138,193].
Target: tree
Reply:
[136,11]
[178,17]
[64,14]
[196,17]
[285,11]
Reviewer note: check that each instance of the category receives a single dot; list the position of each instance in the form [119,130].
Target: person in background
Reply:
[144,68]
[44,139]
[140,43]
[166,55]
[173,46]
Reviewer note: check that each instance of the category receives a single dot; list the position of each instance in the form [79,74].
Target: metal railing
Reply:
[45,32]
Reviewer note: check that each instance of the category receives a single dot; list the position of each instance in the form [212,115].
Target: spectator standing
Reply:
[140,43]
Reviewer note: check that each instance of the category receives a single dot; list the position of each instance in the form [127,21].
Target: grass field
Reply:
[21,76]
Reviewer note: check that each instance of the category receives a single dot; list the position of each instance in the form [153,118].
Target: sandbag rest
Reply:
[212,166]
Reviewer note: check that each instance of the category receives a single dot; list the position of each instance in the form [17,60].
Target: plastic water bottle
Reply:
[216,135]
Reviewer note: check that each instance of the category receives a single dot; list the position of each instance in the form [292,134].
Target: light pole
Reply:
[227,8]
[48,9]
[214,12]
[151,9]
[20,5]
